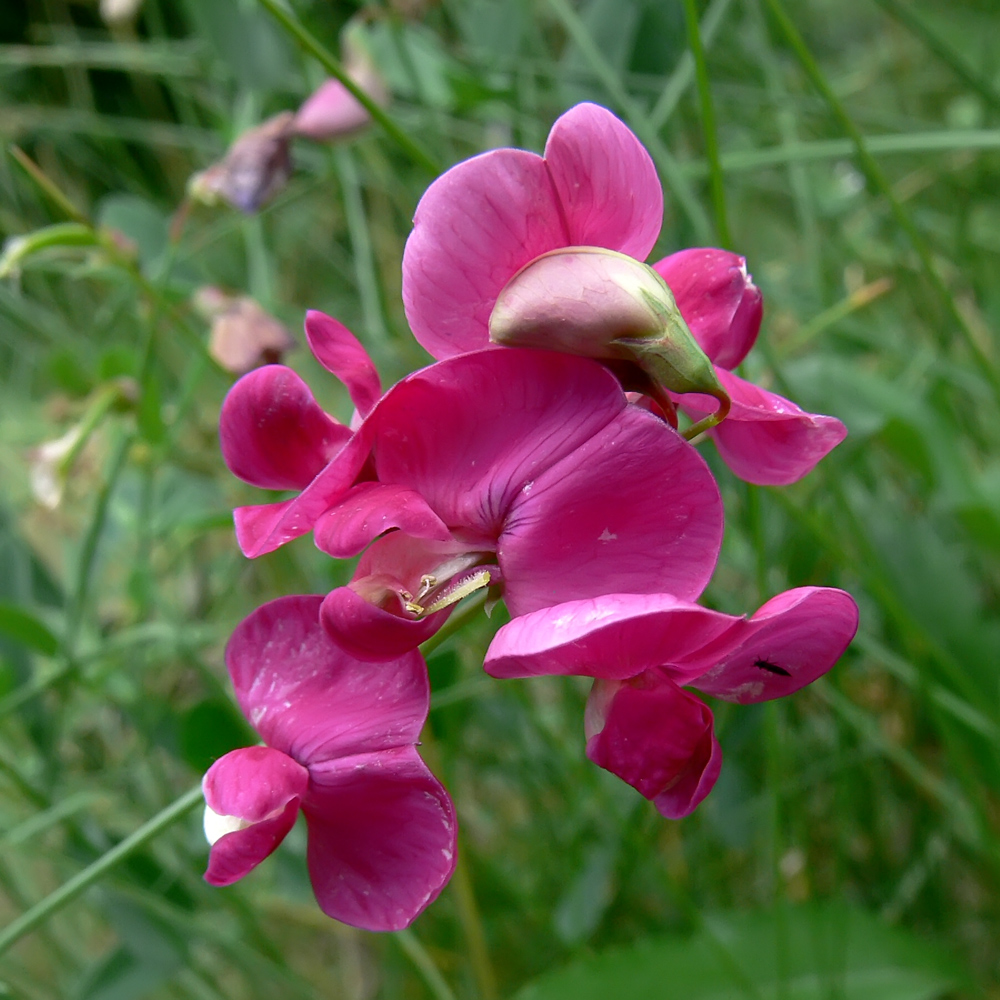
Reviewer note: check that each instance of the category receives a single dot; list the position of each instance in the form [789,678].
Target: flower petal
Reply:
[263,528]
[633,510]
[475,226]
[341,353]
[767,439]
[258,789]
[718,300]
[272,431]
[372,633]
[608,189]
[793,639]
[369,510]
[471,433]
[614,636]
[311,699]
[657,738]
[382,835]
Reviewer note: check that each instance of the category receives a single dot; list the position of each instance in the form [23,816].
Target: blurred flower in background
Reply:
[243,336]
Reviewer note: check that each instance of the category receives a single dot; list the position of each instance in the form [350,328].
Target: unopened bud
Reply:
[602,304]
[243,336]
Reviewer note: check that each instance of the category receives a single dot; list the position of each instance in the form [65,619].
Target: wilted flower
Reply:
[341,747]
[242,335]
[255,168]
[643,649]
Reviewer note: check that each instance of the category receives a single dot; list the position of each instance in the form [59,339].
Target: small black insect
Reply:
[771,668]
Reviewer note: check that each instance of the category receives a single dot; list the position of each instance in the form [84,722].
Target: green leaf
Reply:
[25,628]
[825,949]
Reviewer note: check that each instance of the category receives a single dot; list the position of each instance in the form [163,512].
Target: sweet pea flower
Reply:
[526,472]
[488,224]
[643,650]
[340,746]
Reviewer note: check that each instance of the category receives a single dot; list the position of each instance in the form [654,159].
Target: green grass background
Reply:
[850,149]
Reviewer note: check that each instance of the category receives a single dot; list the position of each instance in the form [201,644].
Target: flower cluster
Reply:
[539,460]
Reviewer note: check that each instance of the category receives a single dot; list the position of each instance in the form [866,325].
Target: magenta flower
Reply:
[274,435]
[485,220]
[525,471]
[642,649]
[765,439]
[341,747]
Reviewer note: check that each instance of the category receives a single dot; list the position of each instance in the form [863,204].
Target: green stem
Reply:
[68,891]
[418,955]
[708,125]
[873,172]
[326,59]
[472,925]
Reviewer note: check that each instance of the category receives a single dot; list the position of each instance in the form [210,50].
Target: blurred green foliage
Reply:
[862,813]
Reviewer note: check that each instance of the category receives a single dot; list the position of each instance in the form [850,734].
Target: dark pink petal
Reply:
[475,226]
[261,788]
[369,631]
[718,300]
[633,510]
[614,636]
[606,182]
[265,527]
[657,738]
[371,509]
[309,698]
[767,439]
[472,433]
[793,639]
[382,837]
[273,433]
[340,352]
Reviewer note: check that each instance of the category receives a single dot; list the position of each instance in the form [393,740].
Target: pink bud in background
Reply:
[332,110]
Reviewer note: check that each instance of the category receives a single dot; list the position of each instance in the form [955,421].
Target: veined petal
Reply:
[607,185]
[471,433]
[657,738]
[371,509]
[252,798]
[474,228]
[718,300]
[633,510]
[767,439]
[613,636]
[309,698]
[273,433]
[793,639]
[382,835]
[342,354]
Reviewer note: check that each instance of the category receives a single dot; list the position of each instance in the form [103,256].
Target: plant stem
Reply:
[708,126]
[68,891]
[418,955]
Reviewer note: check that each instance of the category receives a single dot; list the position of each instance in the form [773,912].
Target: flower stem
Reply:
[418,955]
[68,891]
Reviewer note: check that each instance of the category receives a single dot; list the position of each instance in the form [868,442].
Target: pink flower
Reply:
[341,748]
[765,439]
[521,470]
[642,649]
[487,219]
[332,111]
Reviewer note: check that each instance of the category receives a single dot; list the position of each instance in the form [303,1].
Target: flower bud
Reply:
[243,335]
[602,304]
[333,111]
